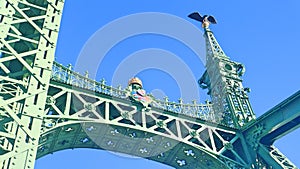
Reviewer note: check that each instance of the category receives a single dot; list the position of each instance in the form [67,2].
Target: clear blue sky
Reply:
[263,35]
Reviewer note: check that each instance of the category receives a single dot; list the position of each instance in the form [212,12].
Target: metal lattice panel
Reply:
[29,31]
[72,105]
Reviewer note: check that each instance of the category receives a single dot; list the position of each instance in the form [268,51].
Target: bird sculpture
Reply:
[205,20]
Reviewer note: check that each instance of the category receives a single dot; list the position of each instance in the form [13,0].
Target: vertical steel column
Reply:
[29,31]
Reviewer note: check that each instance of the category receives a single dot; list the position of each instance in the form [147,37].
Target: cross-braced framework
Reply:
[46,107]
[29,31]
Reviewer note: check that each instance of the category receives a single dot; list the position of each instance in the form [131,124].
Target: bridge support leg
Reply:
[27,46]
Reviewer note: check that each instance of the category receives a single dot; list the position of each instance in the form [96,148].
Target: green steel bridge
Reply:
[46,107]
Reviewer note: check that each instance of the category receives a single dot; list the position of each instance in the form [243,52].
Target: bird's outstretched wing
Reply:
[196,16]
[211,19]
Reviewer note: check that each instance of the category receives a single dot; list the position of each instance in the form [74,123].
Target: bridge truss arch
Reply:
[78,117]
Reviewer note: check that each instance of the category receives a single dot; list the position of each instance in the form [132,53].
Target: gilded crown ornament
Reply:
[135,80]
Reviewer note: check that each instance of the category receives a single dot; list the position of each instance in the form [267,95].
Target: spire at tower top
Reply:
[212,46]
[223,80]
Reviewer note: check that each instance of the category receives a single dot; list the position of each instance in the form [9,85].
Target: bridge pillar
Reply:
[29,31]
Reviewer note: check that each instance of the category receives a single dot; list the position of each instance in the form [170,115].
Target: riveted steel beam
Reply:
[29,31]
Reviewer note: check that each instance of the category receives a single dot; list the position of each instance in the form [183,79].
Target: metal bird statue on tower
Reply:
[206,19]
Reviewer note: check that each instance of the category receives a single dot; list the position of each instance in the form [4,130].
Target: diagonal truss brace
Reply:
[124,114]
[273,125]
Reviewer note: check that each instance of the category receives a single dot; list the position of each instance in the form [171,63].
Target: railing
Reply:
[201,111]
[67,76]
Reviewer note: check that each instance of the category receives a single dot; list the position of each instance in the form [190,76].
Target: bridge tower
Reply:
[29,31]
[231,106]
[46,107]
[223,80]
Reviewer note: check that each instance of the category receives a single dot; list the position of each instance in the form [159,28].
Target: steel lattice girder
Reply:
[29,31]
[273,125]
[69,105]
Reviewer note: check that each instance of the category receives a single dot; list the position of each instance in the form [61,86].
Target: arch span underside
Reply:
[145,145]
[79,118]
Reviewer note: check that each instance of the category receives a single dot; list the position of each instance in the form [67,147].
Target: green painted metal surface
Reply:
[29,31]
[223,81]
[46,107]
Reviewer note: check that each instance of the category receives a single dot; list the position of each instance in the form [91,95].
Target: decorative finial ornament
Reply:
[135,80]
[137,93]
[205,20]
